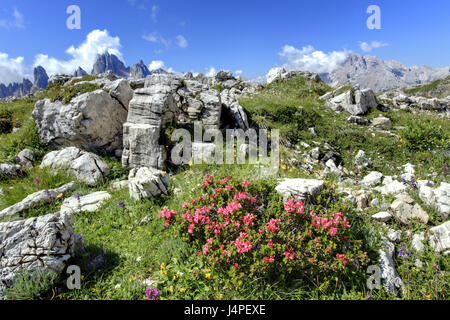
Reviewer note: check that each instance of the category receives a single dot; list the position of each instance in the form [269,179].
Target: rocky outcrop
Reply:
[45,243]
[87,203]
[110,62]
[355,101]
[93,120]
[404,209]
[16,89]
[279,73]
[139,70]
[35,199]
[85,166]
[300,189]
[80,72]
[164,99]
[145,183]
[40,78]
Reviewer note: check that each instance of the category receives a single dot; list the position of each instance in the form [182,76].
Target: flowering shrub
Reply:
[235,228]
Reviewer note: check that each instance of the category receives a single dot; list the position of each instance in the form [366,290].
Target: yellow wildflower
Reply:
[182,290]
[171,289]
[208,275]
[60,196]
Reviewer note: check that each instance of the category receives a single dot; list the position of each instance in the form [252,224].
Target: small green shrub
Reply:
[424,135]
[32,286]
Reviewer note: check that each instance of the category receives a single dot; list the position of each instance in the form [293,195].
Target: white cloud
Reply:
[16,20]
[312,60]
[367,47]
[156,38]
[156,64]
[84,56]
[154,14]
[182,42]
[12,69]
[211,72]
[238,72]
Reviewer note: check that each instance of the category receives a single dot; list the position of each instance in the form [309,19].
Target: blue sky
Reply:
[246,35]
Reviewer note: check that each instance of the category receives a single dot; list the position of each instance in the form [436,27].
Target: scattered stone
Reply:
[119,185]
[300,189]
[86,167]
[439,237]
[393,235]
[382,123]
[36,199]
[358,120]
[8,170]
[417,242]
[372,179]
[88,203]
[382,216]
[145,183]
[404,208]
[361,160]
[393,187]
[25,158]
[45,243]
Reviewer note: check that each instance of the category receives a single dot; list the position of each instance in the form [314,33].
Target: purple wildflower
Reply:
[18,159]
[403,253]
[78,197]
[152,293]
[120,204]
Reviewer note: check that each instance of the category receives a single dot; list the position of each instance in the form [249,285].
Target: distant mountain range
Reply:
[379,75]
[365,71]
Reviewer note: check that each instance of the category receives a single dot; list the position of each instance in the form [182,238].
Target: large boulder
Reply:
[93,120]
[355,101]
[145,183]
[85,166]
[300,189]
[35,199]
[45,243]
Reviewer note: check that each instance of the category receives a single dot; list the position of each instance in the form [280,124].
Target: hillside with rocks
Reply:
[87,178]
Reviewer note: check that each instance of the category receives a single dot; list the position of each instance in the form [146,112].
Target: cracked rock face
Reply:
[85,166]
[93,120]
[300,189]
[34,199]
[44,243]
[439,198]
[145,183]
